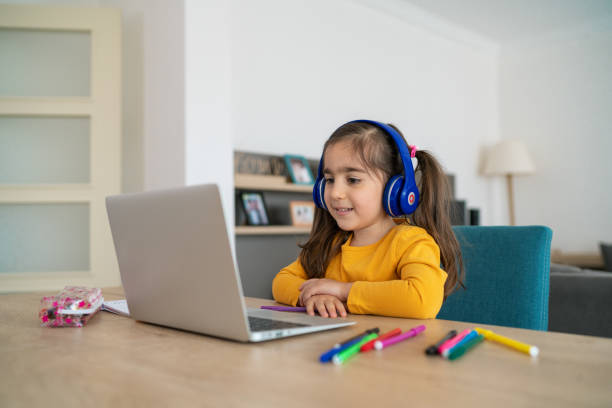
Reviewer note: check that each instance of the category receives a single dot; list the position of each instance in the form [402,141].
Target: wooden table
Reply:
[116,361]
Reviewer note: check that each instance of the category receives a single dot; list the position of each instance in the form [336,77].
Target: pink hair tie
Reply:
[413,150]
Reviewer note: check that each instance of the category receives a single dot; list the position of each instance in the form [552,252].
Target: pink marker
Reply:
[450,343]
[381,344]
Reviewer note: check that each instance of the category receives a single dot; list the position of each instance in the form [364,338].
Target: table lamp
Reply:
[510,158]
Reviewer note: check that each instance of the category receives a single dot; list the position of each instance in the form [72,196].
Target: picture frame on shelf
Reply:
[302,213]
[299,170]
[254,207]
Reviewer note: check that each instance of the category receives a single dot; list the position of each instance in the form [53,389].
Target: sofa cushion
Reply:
[555,267]
[581,302]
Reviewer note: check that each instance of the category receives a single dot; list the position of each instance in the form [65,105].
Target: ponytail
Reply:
[433,214]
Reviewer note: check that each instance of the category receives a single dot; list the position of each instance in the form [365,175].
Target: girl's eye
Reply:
[329,180]
[353,180]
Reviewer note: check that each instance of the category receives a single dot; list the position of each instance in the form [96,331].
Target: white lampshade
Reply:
[508,157]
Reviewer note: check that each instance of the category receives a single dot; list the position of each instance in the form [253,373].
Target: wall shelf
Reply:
[271,230]
[268,183]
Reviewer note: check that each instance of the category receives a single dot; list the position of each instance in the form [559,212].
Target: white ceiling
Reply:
[507,21]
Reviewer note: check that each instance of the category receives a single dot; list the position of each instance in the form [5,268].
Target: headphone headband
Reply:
[401,144]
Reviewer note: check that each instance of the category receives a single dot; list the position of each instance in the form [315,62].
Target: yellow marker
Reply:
[517,345]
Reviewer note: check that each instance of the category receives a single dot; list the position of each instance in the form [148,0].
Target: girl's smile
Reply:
[343,211]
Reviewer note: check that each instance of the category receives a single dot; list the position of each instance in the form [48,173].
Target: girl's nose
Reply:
[337,192]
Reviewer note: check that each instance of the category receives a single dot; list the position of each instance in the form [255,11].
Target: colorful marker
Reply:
[451,342]
[381,344]
[370,344]
[345,354]
[433,349]
[285,308]
[468,337]
[517,345]
[365,333]
[464,347]
[328,355]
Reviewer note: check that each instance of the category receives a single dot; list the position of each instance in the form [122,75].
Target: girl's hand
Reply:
[326,305]
[331,287]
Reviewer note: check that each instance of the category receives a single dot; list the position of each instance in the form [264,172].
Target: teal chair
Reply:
[506,277]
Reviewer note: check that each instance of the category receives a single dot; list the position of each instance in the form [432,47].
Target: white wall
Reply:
[153,93]
[176,95]
[208,75]
[556,94]
[302,68]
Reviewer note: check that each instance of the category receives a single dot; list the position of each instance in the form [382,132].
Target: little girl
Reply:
[360,257]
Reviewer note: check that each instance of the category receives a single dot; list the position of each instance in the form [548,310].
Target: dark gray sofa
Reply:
[580,301]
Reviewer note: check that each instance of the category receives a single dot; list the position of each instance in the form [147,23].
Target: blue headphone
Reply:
[401,195]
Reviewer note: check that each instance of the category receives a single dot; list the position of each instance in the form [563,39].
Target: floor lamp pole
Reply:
[510,198]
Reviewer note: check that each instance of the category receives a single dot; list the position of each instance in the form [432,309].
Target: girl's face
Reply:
[354,196]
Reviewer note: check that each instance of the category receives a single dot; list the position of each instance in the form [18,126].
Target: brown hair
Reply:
[379,154]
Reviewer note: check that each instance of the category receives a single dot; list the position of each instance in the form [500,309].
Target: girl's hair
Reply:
[378,154]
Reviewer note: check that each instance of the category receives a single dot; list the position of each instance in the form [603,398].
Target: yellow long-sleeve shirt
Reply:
[398,276]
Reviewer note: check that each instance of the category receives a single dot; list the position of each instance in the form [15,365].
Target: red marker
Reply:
[370,344]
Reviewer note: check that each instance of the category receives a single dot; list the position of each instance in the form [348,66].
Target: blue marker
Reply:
[467,338]
[328,355]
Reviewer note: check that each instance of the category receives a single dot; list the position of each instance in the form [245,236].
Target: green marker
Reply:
[354,349]
[461,349]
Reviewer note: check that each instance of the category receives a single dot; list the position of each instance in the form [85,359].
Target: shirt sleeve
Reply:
[417,294]
[286,284]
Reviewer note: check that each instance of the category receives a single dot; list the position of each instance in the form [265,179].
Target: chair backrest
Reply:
[507,271]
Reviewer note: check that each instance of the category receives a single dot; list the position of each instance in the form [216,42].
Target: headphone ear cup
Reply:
[411,200]
[318,193]
[391,196]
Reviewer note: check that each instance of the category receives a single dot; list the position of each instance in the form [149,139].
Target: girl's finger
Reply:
[310,308]
[340,308]
[322,309]
[331,308]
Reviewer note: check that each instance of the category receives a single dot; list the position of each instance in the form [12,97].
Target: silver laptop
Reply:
[178,270]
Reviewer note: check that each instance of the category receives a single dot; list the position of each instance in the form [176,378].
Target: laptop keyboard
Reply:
[261,324]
